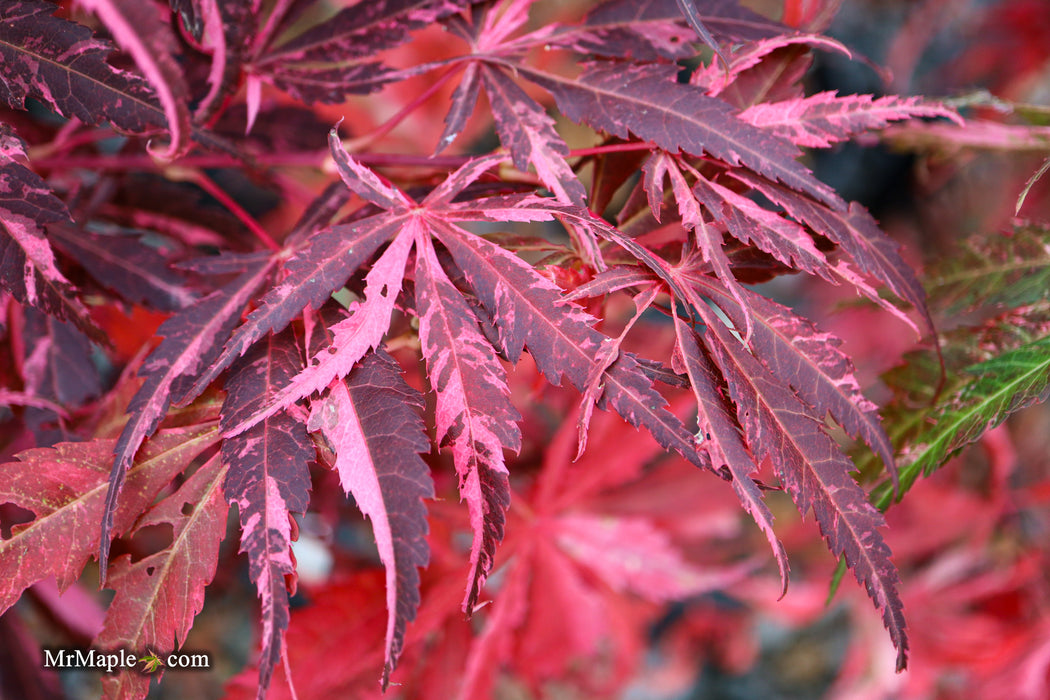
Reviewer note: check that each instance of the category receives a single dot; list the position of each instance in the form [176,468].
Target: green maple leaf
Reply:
[152,662]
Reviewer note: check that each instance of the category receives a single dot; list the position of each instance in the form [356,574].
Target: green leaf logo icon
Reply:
[151,662]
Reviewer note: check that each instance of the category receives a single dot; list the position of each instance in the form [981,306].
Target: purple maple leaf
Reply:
[372,424]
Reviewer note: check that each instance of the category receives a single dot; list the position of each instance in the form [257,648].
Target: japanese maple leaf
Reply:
[474,413]
[66,484]
[529,133]
[87,88]
[755,74]
[527,309]
[783,380]
[192,339]
[123,262]
[64,65]
[343,660]
[142,32]
[28,269]
[58,365]
[371,422]
[654,29]
[301,328]
[856,231]
[816,474]
[158,596]
[523,125]
[647,100]
[268,477]
[337,57]
[825,118]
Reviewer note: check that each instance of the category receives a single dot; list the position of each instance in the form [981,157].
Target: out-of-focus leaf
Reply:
[1002,385]
[1007,270]
[27,264]
[336,58]
[121,261]
[653,29]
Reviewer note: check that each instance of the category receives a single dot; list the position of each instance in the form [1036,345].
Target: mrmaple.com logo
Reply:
[118,659]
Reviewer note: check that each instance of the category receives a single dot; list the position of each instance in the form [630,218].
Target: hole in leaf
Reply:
[146,541]
[11,515]
[187,508]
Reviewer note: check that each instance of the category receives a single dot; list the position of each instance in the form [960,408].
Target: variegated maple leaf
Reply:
[371,422]
[301,327]
[158,596]
[268,478]
[780,427]
[474,416]
[144,34]
[28,268]
[820,120]
[65,487]
[337,57]
[474,413]
[62,64]
[191,340]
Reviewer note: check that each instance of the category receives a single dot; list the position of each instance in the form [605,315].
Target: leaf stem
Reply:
[392,123]
[209,186]
[67,138]
[611,148]
[312,159]
[307,159]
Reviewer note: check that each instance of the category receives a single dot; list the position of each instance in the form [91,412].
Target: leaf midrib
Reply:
[959,419]
[103,86]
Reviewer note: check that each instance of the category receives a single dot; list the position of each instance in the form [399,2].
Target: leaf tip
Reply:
[783,582]
[253,100]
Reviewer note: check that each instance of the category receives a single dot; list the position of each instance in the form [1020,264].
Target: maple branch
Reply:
[705,192]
